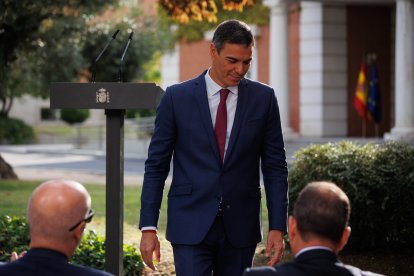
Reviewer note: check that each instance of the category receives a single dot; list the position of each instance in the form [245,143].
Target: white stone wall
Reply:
[28,109]
[323,70]
[170,68]
[404,73]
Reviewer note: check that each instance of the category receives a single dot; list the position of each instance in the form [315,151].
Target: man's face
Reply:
[231,64]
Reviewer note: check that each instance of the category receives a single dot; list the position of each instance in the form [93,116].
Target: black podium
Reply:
[114,98]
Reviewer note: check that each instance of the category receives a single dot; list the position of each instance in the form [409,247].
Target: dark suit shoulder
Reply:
[188,83]
[83,270]
[45,267]
[256,85]
[356,271]
[320,267]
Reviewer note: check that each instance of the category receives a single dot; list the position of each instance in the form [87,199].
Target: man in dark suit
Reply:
[57,213]
[220,128]
[318,230]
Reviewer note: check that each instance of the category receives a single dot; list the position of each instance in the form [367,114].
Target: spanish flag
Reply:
[361,93]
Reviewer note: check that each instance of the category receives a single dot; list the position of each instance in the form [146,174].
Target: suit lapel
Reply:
[242,100]
[202,101]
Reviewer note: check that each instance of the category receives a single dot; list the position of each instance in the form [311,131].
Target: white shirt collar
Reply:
[303,250]
[213,87]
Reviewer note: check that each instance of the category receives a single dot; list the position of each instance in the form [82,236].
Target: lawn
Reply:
[14,196]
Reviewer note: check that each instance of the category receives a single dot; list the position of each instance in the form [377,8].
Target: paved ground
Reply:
[42,162]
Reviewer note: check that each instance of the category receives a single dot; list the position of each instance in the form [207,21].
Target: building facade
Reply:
[311,53]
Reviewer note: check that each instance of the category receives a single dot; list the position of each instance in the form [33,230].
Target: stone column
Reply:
[278,71]
[404,73]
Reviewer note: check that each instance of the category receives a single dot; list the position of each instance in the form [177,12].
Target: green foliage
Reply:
[257,14]
[91,251]
[379,181]
[133,263]
[150,38]
[39,44]
[14,236]
[140,113]
[15,131]
[74,116]
[57,41]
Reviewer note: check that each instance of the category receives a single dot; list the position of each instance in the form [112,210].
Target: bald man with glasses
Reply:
[57,212]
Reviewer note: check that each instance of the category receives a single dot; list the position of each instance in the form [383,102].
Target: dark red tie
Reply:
[221,122]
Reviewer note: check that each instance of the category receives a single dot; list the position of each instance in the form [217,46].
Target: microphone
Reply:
[123,56]
[100,54]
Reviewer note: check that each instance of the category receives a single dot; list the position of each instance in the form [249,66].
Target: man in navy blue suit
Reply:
[57,213]
[318,230]
[220,129]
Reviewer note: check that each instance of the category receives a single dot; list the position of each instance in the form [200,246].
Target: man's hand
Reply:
[275,246]
[14,256]
[150,249]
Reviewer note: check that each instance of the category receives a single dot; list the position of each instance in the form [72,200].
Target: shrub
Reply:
[379,181]
[15,131]
[74,116]
[14,236]
[91,252]
[141,113]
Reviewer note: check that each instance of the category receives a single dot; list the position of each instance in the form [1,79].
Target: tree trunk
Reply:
[6,171]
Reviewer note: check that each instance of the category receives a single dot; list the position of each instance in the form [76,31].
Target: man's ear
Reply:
[292,228]
[213,50]
[344,238]
[78,232]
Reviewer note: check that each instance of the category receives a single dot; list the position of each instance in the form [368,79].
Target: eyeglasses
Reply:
[87,219]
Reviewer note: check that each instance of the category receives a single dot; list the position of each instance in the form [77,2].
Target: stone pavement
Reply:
[43,162]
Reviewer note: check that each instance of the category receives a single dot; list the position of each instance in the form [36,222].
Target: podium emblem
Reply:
[102,96]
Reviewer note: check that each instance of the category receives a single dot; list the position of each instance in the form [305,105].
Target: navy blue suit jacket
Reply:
[184,131]
[317,262]
[45,262]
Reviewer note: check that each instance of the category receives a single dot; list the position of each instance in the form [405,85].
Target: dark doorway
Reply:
[369,32]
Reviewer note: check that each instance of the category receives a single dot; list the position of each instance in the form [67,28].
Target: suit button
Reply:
[228,206]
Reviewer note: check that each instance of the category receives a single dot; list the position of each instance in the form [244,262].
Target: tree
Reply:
[199,10]
[151,37]
[56,40]
[35,39]
[49,41]
[6,171]
[197,21]
[74,116]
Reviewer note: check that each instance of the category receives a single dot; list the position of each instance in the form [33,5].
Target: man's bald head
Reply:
[322,209]
[54,207]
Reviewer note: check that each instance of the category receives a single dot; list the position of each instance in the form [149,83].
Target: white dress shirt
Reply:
[213,96]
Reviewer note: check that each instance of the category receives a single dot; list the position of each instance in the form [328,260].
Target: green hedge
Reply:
[14,236]
[74,116]
[379,181]
[15,131]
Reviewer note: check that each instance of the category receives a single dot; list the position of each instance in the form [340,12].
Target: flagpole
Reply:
[364,128]
[376,130]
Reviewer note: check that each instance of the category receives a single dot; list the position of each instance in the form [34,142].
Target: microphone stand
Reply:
[123,56]
[100,54]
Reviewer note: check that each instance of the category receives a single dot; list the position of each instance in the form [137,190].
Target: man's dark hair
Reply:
[233,32]
[322,209]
